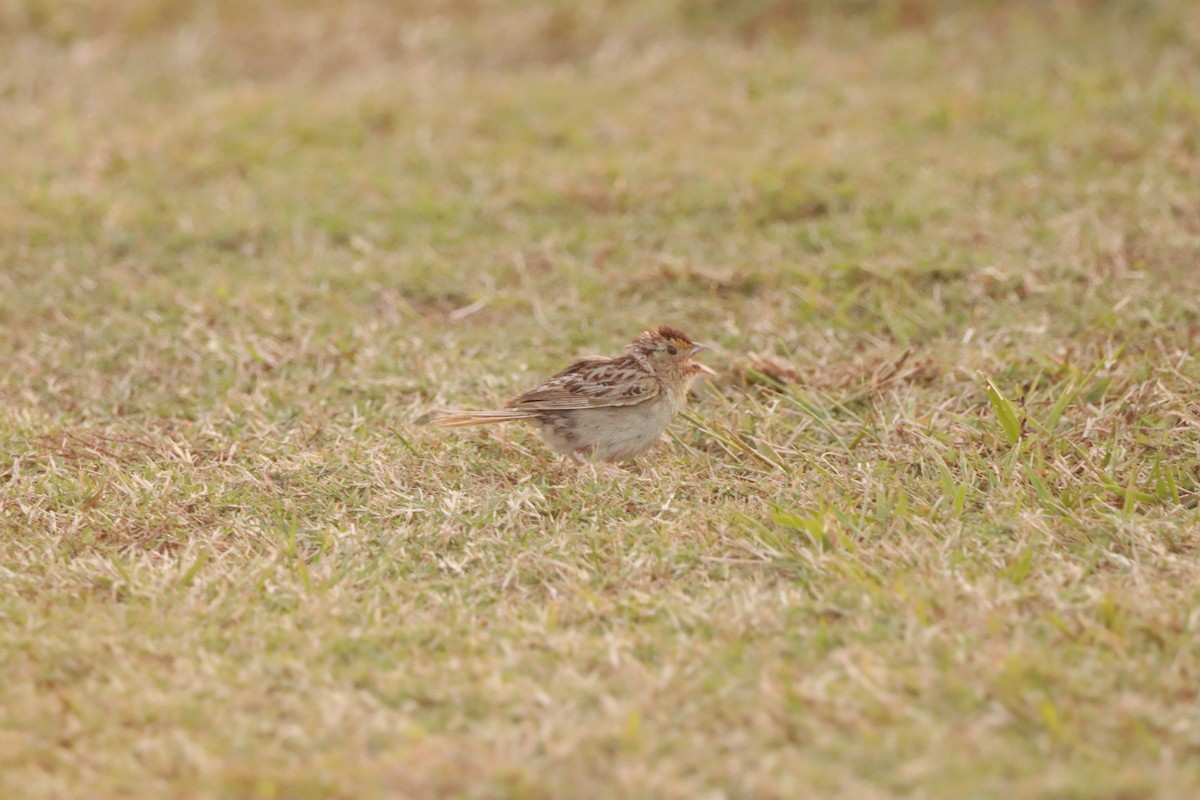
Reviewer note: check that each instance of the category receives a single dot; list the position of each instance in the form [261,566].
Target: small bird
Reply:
[605,409]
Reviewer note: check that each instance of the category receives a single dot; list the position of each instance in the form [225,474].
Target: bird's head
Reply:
[668,351]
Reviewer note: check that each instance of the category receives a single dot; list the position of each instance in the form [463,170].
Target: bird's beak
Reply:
[698,348]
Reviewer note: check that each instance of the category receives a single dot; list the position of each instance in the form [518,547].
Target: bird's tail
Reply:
[461,419]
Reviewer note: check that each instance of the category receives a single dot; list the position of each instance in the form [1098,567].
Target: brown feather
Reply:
[669,332]
[461,419]
[593,382]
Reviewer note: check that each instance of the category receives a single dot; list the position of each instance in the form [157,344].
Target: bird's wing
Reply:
[591,383]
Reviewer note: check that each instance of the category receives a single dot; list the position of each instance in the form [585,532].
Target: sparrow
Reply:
[605,409]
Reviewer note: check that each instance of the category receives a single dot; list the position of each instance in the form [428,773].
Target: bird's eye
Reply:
[672,349]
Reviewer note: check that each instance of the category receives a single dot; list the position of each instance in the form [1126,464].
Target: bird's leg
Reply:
[580,458]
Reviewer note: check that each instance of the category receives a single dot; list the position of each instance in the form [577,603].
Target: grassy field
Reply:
[932,533]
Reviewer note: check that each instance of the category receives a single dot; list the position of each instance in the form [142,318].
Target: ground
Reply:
[932,532]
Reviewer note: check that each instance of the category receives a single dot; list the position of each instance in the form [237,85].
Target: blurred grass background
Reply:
[246,247]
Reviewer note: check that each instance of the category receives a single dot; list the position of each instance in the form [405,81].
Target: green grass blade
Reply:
[1004,412]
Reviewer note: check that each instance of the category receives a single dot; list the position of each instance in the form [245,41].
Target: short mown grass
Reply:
[932,533]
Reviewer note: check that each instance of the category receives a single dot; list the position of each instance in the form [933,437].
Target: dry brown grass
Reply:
[247,247]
